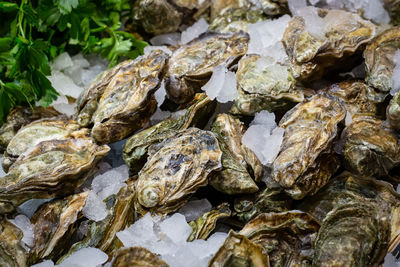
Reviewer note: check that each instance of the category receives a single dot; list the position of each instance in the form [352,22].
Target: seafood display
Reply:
[299,167]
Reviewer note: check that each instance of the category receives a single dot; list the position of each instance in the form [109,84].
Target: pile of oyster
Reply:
[273,127]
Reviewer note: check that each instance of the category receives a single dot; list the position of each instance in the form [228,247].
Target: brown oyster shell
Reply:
[137,256]
[191,66]
[175,169]
[205,224]
[370,148]
[53,226]
[19,117]
[237,250]
[306,160]
[310,55]
[379,62]
[12,252]
[393,111]
[237,159]
[287,237]
[52,168]
[36,132]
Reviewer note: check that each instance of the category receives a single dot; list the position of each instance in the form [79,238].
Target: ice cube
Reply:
[160,94]
[166,39]
[94,209]
[222,85]
[348,119]
[2,172]
[390,261]
[396,74]
[23,223]
[295,5]
[195,208]
[61,105]
[113,176]
[46,263]
[61,62]
[79,61]
[266,119]
[64,84]
[148,49]
[85,257]
[176,228]
[194,31]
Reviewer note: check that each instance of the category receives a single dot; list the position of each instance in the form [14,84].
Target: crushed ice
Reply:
[195,208]
[194,31]
[168,239]
[396,73]
[2,172]
[23,223]
[222,85]
[264,137]
[166,39]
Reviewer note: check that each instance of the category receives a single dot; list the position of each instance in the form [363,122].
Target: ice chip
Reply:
[396,74]
[85,257]
[348,120]
[195,208]
[61,62]
[113,176]
[23,223]
[222,85]
[28,208]
[2,172]
[194,31]
[176,228]
[64,84]
[61,105]
[166,39]
[390,261]
[266,119]
[94,209]
[79,61]
[149,49]
[295,5]
[46,263]
[160,94]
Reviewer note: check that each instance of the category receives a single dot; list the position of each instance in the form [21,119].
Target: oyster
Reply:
[237,159]
[393,111]
[191,66]
[137,256]
[52,168]
[369,207]
[12,253]
[369,147]
[53,225]
[126,98]
[237,250]
[205,224]
[102,234]
[235,20]
[135,150]
[379,62]
[263,85]
[271,199]
[34,133]
[19,117]
[175,169]
[306,160]
[342,35]
[287,237]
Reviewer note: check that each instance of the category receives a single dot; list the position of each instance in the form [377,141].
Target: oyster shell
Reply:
[137,256]
[135,150]
[237,159]
[361,200]
[125,99]
[12,253]
[306,160]
[262,85]
[235,20]
[393,111]
[175,169]
[379,62]
[191,66]
[369,147]
[393,7]
[52,168]
[34,133]
[271,199]
[205,224]
[345,33]
[237,250]
[287,237]
[53,225]
[19,117]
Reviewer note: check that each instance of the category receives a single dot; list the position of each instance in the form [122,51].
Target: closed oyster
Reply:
[53,225]
[102,234]
[306,160]
[393,111]
[263,85]
[52,168]
[369,147]
[287,237]
[343,34]
[205,224]
[137,256]
[12,253]
[359,219]
[34,133]
[235,20]
[271,199]
[237,159]
[19,117]
[358,97]
[237,250]
[379,63]
[365,213]
[135,150]
[125,100]
[165,16]
[191,66]
[175,169]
